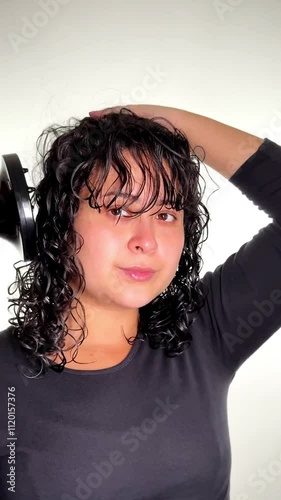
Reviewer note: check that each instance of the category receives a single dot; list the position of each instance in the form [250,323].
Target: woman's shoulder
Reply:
[8,345]
[6,336]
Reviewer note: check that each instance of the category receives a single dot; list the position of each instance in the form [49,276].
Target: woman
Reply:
[119,357]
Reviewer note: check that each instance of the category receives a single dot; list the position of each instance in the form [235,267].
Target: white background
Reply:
[63,58]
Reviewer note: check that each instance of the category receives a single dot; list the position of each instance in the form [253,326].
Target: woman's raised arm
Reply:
[226,148]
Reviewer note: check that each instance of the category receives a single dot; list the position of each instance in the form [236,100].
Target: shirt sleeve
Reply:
[243,305]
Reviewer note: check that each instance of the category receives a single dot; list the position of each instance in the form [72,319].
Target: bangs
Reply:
[130,160]
[166,185]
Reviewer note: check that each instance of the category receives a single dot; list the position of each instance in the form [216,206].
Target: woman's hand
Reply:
[144,110]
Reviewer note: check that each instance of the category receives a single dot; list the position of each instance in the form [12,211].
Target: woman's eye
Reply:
[170,215]
[117,210]
[116,213]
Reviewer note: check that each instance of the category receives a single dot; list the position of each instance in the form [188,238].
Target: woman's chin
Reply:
[135,300]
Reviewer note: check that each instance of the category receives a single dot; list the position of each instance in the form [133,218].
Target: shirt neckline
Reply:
[103,371]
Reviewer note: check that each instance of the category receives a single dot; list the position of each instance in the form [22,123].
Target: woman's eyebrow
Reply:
[127,196]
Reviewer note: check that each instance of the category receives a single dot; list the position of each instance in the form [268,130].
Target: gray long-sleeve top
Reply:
[151,427]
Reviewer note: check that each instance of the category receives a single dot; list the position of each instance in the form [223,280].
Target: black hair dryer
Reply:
[16,210]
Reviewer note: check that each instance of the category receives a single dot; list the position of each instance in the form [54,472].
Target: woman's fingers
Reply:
[145,110]
[102,112]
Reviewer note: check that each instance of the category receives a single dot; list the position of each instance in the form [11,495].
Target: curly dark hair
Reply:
[93,145]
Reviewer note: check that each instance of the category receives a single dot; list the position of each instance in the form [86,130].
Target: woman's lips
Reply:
[139,274]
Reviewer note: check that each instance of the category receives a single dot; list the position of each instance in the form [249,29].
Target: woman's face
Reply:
[151,240]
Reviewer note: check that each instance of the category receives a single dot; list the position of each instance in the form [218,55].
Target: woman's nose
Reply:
[143,235]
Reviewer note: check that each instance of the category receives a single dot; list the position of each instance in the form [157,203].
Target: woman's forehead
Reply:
[138,179]
[143,181]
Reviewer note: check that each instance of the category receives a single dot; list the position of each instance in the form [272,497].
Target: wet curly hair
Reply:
[77,150]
